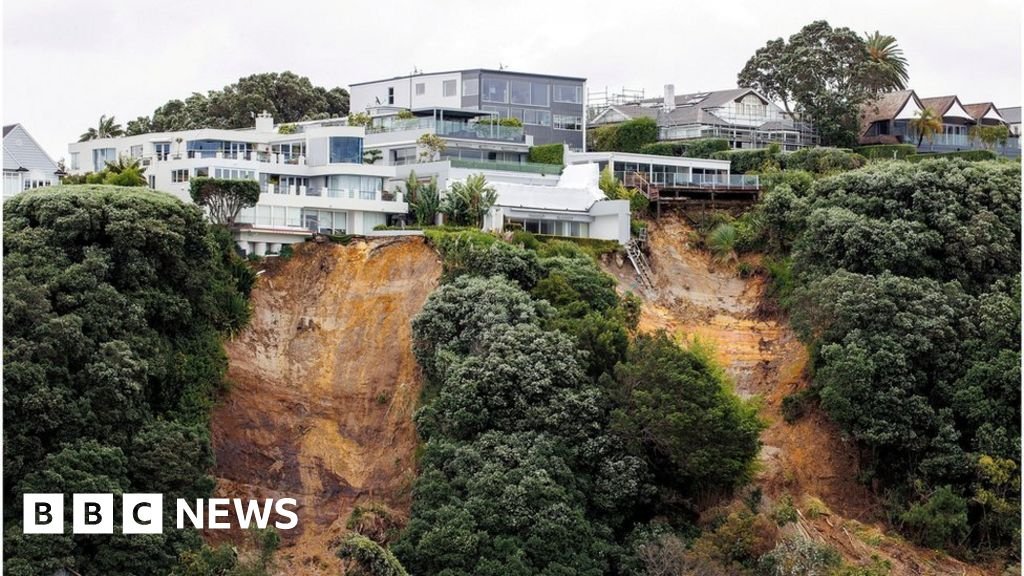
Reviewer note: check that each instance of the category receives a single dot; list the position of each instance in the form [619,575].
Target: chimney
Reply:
[264,122]
[670,97]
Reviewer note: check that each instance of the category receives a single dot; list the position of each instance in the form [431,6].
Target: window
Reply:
[180,175]
[516,113]
[568,94]
[152,181]
[421,88]
[346,150]
[448,88]
[234,174]
[100,157]
[562,122]
[74,160]
[401,156]
[501,111]
[520,92]
[29,184]
[162,149]
[203,172]
[136,151]
[391,95]
[537,117]
[494,90]
[470,86]
[539,94]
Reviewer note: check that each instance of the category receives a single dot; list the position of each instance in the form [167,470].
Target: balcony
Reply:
[528,167]
[454,129]
[703,181]
[335,193]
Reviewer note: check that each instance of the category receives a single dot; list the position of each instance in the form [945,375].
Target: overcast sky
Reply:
[66,63]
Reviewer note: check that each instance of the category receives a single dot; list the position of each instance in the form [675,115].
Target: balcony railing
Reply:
[709,181]
[340,193]
[454,129]
[530,167]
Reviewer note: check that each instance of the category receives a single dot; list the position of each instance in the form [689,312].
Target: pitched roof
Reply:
[885,107]
[1011,114]
[977,111]
[690,108]
[8,128]
[938,104]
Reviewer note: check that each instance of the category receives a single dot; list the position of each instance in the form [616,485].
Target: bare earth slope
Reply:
[324,385]
[809,461]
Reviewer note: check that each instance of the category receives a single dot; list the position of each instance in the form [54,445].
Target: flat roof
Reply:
[489,70]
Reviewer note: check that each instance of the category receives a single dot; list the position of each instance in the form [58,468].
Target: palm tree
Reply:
[468,201]
[927,124]
[426,204]
[722,243]
[108,128]
[889,66]
[124,163]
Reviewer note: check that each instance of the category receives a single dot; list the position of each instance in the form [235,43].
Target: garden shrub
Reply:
[887,151]
[969,155]
[547,154]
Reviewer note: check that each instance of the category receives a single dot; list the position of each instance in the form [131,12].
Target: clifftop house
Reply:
[742,116]
[887,120]
[26,164]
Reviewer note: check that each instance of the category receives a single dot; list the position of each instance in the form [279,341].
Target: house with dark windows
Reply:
[890,120]
[742,116]
[550,107]
[26,164]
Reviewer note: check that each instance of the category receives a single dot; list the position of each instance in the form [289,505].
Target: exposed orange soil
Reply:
[324,385]
[697,299]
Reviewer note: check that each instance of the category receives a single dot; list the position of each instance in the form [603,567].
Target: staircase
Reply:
[643,269]
[638,181]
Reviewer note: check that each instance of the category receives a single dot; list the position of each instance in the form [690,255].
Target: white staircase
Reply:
[643,269]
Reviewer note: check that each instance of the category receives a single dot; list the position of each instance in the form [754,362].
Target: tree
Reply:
[467,202]
[824,72]
[364,557]
[431,146]
[372,155]
[926,123]
[359,119]
[140,125]
[630,136]
[286,95]
[426,203]
[888,65]
[114,302]
[990,135]
[767,73]
[107,128]
[224,198]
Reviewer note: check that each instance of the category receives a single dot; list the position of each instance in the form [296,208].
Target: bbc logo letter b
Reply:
[92,514]
[43,514]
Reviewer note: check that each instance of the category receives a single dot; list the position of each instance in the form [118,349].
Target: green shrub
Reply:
[969,155]
[664,148]
[547,154]
[785,512]
[528,241]
[706,147]
[798,556]
[286,252]
[822,160]
[722,242]
[940,520]
[887,151]
[794,405]
[629,136]
[743,161]
[364,557]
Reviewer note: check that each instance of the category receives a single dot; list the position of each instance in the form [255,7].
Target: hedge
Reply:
[664,148]
[702,148]
[887,151]
[823,160]
[743,161]
[970,155]
[547,154]
[626,137]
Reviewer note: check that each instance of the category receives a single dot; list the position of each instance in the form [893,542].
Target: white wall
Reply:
[611,220]
[364,96]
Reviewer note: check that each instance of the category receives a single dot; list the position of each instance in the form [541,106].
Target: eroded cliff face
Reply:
[324,386]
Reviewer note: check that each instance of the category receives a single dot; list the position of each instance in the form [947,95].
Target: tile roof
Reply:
[939,104]
[980,109]
[886,107]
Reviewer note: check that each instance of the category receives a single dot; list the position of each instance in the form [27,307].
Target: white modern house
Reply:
[26,164]
[311,180]
[573,206]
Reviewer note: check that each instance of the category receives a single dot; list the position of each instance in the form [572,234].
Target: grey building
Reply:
[551,108]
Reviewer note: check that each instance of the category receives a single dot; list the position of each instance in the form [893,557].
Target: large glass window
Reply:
[346,150]
[74,160]
[101,156]
[470,86]
[537,117]
[539,94]
[519,92]
[502,111]
[568,94]
[494,90]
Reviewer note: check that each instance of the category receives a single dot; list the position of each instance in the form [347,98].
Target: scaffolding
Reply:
[600,100]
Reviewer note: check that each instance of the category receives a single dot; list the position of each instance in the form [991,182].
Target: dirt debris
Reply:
[323,389]
[809,460]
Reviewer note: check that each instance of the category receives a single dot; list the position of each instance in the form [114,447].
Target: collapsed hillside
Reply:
[324,386]
[808,461]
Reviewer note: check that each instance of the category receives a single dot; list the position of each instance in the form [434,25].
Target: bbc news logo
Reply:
[144,513]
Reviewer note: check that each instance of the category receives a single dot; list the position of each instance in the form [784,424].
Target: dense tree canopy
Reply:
[823,75]
[908,289]
[114,301]
[536,430]
[286,95]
